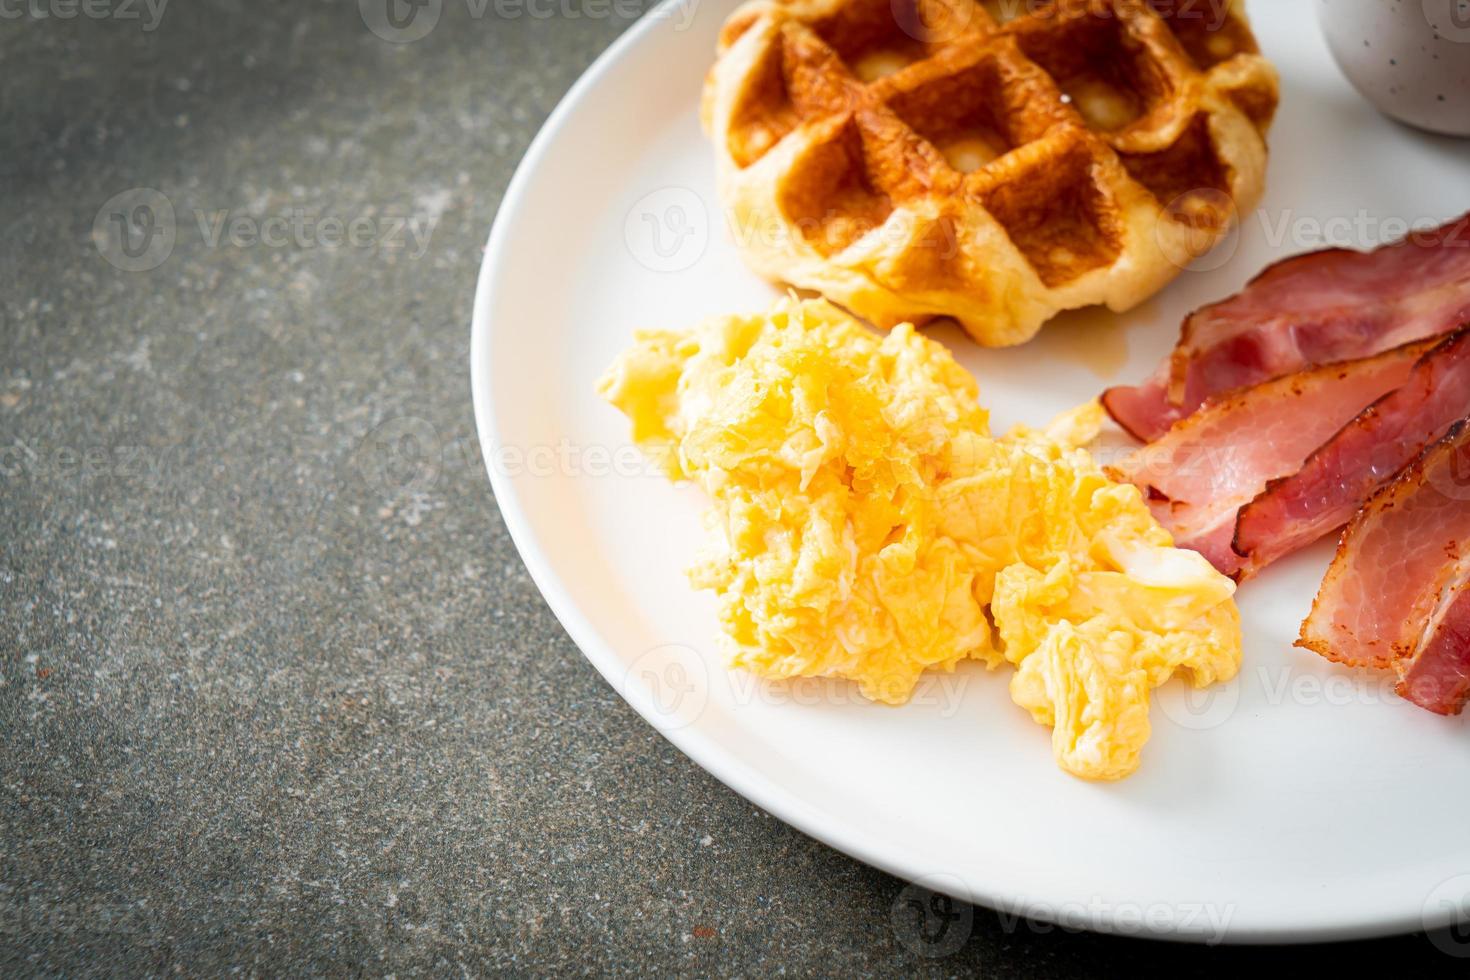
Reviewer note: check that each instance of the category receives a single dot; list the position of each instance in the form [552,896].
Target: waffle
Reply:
[996,162]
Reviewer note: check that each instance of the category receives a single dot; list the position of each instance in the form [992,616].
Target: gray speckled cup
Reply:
[1410,58]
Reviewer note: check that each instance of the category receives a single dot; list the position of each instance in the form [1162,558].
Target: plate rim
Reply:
[760,791]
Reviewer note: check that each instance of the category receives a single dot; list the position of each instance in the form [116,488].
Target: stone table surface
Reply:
[276,693]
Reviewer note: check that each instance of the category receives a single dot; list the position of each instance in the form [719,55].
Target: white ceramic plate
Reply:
[1300,802]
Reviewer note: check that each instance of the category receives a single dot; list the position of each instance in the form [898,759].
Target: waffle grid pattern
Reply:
[997,162]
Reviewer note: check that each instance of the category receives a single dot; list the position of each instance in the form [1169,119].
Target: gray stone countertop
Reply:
[262,708]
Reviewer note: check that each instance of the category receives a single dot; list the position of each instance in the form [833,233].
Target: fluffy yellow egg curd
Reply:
[867,526]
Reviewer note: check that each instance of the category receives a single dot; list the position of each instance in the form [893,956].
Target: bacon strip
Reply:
[1398,592]
[1438,677]
[1327,306]
[1350,467]
[1219,459]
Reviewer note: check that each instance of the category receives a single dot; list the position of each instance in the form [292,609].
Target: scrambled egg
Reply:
[867,526]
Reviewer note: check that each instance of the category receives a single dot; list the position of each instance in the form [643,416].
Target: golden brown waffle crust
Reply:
[861,188]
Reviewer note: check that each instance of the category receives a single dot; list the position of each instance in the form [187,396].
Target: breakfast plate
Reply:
[1301,801]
